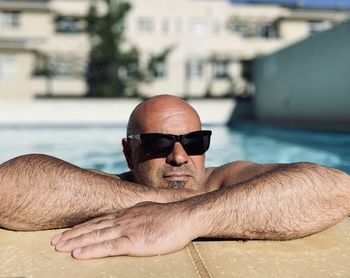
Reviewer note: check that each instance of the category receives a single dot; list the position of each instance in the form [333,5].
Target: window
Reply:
[8,67]
[194,68]
[268,31]
[216,28]
[63,66]
[133,68]
[145,24]
[69,25]
[255,29]
[242,29]
[10,19]
[178,26]
[165,26]
[318,26]
[198,27]
[129,70]
[221,69]
[157,68]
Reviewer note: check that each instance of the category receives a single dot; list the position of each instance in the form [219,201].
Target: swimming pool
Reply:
[100,147]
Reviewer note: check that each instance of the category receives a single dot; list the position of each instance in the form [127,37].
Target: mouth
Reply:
[177,177]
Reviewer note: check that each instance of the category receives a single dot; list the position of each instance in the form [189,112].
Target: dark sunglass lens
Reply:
[196,143]
[157,144]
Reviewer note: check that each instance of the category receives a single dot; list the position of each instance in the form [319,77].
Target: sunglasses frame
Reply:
[176,138]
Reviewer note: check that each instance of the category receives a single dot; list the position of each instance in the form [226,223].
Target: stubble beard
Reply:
[144,178]
[176,184]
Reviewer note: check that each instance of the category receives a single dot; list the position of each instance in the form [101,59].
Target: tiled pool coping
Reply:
[326,254]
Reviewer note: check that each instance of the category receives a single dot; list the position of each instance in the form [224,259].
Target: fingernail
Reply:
[56,239]
[60,244]
[76,251]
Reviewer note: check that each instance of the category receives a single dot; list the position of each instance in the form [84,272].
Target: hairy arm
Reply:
[277,202]
[43,192]
[280,202]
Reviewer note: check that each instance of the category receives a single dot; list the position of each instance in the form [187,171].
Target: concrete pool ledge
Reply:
[78,112]
[326,254]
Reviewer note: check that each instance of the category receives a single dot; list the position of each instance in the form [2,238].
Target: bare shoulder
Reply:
[236,172]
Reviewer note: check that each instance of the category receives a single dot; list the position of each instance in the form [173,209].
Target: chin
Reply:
[175,184]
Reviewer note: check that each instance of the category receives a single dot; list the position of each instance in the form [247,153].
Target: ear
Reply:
[127,153]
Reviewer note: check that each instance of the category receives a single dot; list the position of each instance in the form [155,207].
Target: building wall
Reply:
[308,81]
[15,76]
[77,8]
[33,24]
[36,34]
[197,31]
[99,112]
[294,30]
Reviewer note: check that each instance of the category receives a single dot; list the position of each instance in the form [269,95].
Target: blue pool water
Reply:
[100,148]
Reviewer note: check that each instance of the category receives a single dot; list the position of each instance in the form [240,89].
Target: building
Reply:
[211,43]
[306,84]
[33,33]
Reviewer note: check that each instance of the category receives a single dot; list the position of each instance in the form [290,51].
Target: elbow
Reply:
[331,185]
[321,172]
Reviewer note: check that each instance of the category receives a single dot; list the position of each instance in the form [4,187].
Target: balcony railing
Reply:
[24,5]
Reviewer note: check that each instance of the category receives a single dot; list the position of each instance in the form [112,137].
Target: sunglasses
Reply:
[161,145]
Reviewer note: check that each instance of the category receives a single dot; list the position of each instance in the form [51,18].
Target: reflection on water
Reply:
[100,148]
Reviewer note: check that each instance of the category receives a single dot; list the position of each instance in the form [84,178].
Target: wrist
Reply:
[211,217]
[198,214]
[190,223]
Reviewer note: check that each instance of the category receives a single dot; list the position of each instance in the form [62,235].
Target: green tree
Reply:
[44,69]
[156,64]
[111,71]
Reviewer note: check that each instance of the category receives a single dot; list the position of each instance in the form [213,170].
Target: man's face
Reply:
[175,170]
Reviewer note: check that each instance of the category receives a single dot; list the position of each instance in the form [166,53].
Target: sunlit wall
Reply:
[309,81]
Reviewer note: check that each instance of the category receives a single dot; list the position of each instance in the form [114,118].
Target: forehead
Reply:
[173,119]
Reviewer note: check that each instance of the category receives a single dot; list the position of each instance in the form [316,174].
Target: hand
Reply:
[143,230]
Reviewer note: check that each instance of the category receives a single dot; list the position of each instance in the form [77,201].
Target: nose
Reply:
[178,156]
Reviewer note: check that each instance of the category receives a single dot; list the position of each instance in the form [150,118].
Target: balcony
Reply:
[20,5]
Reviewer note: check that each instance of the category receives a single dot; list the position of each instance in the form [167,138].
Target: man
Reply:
[168,198]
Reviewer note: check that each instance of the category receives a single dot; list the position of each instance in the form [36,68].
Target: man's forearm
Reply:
[288,202]
[43,192]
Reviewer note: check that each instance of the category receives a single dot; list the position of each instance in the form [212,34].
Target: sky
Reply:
[307,3]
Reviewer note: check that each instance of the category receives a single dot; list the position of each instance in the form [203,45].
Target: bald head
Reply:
[162,113]
[168,115]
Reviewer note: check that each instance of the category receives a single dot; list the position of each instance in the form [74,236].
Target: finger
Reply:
[96,236]
[55,239]
[84,229]
[114,247]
